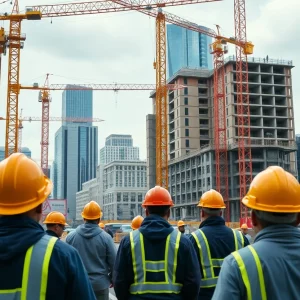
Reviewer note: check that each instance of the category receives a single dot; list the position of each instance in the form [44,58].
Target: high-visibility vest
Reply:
[209,279]
[141,266]
[35,272]
[252,274]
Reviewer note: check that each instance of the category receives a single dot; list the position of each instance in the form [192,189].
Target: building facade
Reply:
[192,49]
[76,159]
[118,147]
[24,150]
[124,189]
[77,104]
[191,130]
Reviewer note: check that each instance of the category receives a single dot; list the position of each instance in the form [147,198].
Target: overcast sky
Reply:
[120,47]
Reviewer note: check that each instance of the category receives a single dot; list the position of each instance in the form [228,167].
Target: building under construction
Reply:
[191,130]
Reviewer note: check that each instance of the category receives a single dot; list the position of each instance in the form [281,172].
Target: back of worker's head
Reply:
[92,213]
[274,197]
[23,187]
[158,201]
[212,204]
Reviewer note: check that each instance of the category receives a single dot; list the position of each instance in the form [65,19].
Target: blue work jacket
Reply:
[155,231]
[278,251]
[67,277]
[221,243]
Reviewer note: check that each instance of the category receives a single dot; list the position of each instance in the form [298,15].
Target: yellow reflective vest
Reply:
[141,266]
[35,272]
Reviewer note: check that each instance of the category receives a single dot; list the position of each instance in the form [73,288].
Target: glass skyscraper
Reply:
[76,148]
[187,48]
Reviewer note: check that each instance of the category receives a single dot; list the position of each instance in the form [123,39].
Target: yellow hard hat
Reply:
[137,222]
[91,211]
[274,190]
[180,223]
[101,225]
[212,199]
[244,226]
[158,196]
[23,185]
[55,217]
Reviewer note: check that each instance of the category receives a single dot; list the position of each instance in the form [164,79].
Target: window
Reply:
[187,132]
[186,101]
[185,90]
[185,81]
[186,111]
[186,121]
[187,143]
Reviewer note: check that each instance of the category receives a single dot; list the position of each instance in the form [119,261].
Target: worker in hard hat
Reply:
[245,230]
[96,249]
[55,222]
[106,229]
[156,261]
[34,265]
[213,241]
[137,222]
[181,226]
[270,267]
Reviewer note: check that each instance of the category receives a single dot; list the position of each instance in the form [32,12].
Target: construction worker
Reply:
[213,241]
[181,226]
[270,267]
[55,222]
[106,229]
[96,249]
[156,261]
[34,265]
[244,229]
[137,222]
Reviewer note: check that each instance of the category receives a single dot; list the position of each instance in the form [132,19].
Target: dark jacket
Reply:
[67,278]
[155,231]
[109,232]
[98,253]
[51,233]
[221,243]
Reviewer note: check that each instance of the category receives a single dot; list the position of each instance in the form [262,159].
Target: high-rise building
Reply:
[118,147]
[76,160]
[24,150]
[187,49]
[191,130]
[124,188]
[77,104]
[298,154]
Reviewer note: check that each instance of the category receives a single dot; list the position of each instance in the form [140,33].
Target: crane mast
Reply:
[243,112]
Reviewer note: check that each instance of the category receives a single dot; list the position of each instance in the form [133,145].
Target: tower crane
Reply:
[45,98]
[15,42]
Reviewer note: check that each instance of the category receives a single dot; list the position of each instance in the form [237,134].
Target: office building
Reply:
[77,104]
[191,130]
[24,150]
[187,49]
[298,154]
[124,189]
[118,147]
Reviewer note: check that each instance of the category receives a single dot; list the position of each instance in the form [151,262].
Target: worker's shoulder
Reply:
[64,250]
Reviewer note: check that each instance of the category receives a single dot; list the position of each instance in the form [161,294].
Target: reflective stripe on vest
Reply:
[35,272]
[141,266]
[209,279]
[252,273]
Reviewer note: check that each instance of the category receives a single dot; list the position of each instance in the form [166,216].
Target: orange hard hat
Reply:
[244,226]
[212,199]
[158,196]
[137,222]
[101,225]
[274,190]
[180,223]
[91,211]
[23,185]
[55,217]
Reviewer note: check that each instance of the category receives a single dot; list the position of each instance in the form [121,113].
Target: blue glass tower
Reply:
[187,48]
